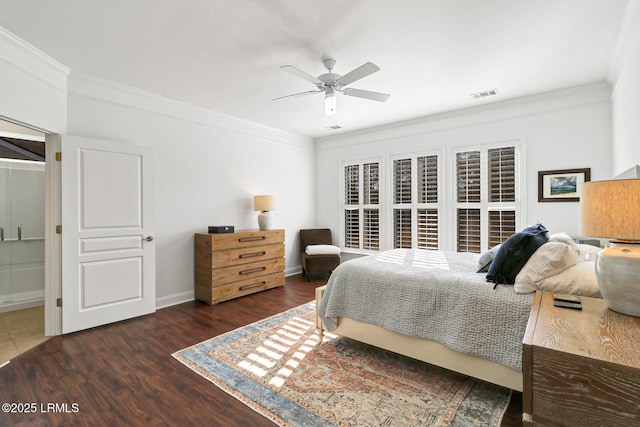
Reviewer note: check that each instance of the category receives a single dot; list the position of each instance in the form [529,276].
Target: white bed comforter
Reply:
[434,295]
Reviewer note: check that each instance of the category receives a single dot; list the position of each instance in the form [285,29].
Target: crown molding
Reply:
[24,56]
[85,85]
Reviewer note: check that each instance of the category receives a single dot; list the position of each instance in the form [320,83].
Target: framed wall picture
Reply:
[562,185]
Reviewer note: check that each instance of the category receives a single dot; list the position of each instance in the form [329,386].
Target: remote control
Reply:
[563,304]
[566,298]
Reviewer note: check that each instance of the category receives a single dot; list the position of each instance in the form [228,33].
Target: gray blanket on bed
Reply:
[434,295]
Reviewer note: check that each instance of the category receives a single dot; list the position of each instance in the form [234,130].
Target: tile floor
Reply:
[19,331]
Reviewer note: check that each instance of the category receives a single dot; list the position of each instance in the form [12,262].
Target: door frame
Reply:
[53,241]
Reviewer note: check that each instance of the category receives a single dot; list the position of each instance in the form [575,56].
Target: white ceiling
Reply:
[226,55]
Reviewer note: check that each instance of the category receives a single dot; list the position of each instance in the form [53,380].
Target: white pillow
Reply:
[587,252]
[322,250]
[485,259]
[579,279]
[549,260]
[563,237]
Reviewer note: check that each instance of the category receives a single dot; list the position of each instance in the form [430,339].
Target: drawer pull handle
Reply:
[251,255]
[253,270]
[252,239]
[254,285]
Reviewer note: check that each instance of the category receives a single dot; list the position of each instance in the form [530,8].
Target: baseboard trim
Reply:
[291,271]
[174,299]
[21,305]
[182,297]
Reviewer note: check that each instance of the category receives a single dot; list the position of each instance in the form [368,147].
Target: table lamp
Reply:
[264,204]
[611,209]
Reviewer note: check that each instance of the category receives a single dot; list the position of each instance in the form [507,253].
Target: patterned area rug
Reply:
[276,367]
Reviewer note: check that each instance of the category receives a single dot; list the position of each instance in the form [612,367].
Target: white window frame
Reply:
[361,206]
[484,205]
[414,205]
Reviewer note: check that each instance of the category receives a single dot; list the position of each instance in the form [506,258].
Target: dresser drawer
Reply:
[221,259]
[240,288]
[223,276]
[240,239]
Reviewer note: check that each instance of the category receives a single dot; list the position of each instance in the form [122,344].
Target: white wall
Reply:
[208,168]
[626,94]
[559,130]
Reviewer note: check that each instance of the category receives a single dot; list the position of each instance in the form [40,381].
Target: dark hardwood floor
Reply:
[123,374]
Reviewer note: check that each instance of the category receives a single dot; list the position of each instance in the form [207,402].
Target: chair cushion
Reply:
[322,250]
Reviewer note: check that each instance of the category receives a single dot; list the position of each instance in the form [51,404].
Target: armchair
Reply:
[321,264]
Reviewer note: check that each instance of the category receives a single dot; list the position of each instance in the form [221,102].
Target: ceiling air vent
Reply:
[334,127]
[484,93]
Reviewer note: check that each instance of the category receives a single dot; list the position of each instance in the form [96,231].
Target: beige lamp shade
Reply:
[263,203]
[611,209]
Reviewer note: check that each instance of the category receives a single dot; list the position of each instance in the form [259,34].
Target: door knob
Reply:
[149,239]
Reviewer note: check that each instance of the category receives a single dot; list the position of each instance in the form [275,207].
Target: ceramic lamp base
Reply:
[264,220]
[618,273]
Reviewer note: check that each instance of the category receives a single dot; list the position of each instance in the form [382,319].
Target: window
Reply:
[486,197]
[415,202]
[362,206]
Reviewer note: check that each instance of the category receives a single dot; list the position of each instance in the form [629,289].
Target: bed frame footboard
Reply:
[422,349]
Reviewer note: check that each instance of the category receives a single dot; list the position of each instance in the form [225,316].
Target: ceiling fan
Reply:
[332,83]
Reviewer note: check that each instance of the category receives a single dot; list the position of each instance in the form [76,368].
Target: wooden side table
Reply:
[580,367]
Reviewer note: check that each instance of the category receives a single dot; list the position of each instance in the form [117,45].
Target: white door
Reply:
[108,251]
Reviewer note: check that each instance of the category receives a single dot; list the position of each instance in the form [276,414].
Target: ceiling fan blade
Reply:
[297,94]
[298,72]
[360,72]
[367,94]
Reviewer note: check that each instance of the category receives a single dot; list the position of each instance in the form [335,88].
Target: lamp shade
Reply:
[263,203]
[611,209]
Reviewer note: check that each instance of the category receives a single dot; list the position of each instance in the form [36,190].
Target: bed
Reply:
[432,306]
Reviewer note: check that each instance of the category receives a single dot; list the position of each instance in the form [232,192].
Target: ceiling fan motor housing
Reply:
[328,80]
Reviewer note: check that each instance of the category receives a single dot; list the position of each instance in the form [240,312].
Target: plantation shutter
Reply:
[428,229]
[468,224]
[402,203]
[402,228]
[362,206]
[502,224]
[468,176]
[468,192]
[428,179]
[427,216]
[486,197]
[371,183]
[502,177]
[371,213]
[371,229]
[415,202]
[352,228]
[402,181]
[351,184]
[501,189]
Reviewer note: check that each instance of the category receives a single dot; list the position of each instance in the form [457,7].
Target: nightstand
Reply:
[580,367]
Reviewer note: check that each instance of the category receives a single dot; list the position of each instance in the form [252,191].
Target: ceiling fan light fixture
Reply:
[330,103]
[331,83]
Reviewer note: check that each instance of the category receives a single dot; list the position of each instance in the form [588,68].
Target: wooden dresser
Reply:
[230,265]
[581,367]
